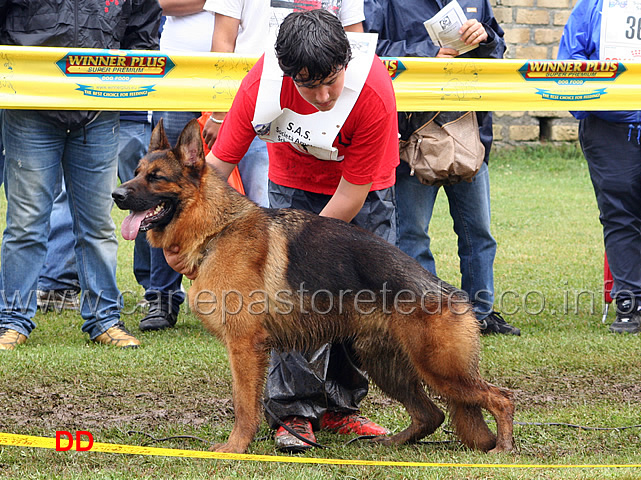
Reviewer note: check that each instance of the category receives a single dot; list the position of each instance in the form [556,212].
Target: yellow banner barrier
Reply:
[81,79]
[45,442]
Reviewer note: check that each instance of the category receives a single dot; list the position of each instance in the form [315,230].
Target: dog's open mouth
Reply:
[142,221]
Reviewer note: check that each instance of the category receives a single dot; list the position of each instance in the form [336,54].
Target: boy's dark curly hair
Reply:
[313,41]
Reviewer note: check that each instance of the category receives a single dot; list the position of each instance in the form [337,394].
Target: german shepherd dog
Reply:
[290,279]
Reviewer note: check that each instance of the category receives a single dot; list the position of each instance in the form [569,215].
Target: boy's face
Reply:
[322,94]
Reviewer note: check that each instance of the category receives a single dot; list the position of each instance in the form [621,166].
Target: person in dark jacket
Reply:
[399,24]
[80,145]
[611,144]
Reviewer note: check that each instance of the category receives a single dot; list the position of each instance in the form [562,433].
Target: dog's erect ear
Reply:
[159,139]
[189,149]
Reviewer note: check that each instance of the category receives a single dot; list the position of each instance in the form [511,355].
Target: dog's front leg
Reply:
[248,361]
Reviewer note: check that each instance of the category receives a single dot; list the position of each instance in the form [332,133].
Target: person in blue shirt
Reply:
[399,24]
[611,144]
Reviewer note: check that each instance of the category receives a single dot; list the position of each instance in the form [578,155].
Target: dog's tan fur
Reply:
[430,338]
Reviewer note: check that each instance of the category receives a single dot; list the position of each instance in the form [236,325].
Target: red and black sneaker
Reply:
[286,442]
[346,423]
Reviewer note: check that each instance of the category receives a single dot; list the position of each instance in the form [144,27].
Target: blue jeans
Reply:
[60,271]
[164,282]
[253,172]
[1,150]
[134,143]
[36,152]
[470,210]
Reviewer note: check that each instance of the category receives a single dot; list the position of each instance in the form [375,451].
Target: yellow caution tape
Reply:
[62,78]
[45,442]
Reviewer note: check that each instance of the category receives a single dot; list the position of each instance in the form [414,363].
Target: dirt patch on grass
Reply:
[54,407]
[559,391]
[63,406]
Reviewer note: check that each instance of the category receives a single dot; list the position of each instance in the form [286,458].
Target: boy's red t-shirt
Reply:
[367,142]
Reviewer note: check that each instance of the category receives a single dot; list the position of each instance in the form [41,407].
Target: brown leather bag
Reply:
[445,150]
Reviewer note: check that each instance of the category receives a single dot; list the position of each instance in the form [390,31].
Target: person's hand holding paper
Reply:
[453,32]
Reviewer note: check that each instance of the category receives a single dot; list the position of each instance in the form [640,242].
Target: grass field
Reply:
[565,368]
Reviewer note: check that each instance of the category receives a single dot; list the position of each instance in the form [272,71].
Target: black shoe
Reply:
[160,316]
[494,323]
[628,317]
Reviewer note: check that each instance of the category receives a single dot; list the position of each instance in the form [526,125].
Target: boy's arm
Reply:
[347,201]
[223,168]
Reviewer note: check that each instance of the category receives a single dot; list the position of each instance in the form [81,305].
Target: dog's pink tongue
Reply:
[131,225]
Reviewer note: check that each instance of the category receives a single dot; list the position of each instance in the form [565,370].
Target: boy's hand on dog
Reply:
[176,261]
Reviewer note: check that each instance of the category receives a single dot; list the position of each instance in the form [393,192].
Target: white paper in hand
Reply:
[443,28]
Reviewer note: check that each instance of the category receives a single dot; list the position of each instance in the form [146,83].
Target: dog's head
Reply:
[166,180]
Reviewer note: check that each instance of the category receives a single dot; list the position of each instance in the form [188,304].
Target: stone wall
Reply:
[533,29]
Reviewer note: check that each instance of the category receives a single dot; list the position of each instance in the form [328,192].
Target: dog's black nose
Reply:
[119,195]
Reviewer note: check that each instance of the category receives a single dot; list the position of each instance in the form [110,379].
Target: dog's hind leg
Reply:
[501,406]
[425,416]
[468,421]
[248,361]
[397,378]
[448,364]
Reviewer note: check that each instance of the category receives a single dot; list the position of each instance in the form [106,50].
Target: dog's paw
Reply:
[215,447]
[382,440]
[225,448]
[504,449]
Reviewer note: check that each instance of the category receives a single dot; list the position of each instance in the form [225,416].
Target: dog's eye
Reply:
[153,176]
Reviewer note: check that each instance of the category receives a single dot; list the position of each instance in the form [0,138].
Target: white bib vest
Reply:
[315,133]
[621,30]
